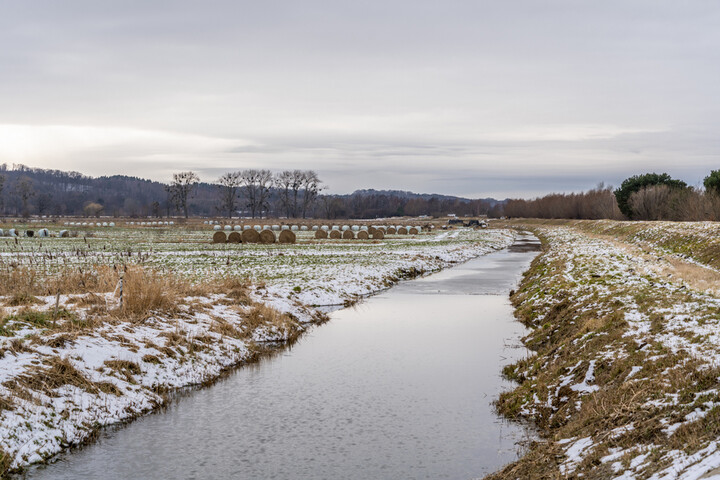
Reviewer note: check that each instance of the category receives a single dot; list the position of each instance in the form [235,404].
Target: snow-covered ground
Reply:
[627,378]
[59,383]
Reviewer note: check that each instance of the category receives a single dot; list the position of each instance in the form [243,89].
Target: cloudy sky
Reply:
[475,98]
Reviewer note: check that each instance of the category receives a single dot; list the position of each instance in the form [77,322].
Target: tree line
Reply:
[649,196]
[254,193]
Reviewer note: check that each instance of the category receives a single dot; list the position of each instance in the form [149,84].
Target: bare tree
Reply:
[229,184]
[181,189]
[256,186]
[311,187]
[44,201]
[25,190]
[284,184]
[2,185]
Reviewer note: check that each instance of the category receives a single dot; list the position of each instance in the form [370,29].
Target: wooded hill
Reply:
[35,191]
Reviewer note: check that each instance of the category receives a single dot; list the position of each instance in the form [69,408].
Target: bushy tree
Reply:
[712,182]
[638,182]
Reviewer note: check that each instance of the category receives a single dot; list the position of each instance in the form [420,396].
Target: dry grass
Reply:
[146,292]
[125,368]
[55,373]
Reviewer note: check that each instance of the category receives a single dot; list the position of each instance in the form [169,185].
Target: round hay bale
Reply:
[325,227]
[294,228]
[267,236]
[219,237]
[363,235]
[29,233]
[285,227]
[391,231]
[304,228]
[234,237]
[228,228]
[345,227]
[355,228]
[216,228]
[364,227]
[335,234]
[413,231]
[43,232]
[111,224]
[287,236]
[335,227]
[276,227]
[348,235]
[321,234]
[257,228]
[378,235]
[250,235]
[246,227]
[402,231]
[315,228]
[12,232]
[237,228]
[371,230]
[63,234]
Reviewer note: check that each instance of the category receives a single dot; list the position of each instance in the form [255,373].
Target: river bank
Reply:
[73,363]
[625,326]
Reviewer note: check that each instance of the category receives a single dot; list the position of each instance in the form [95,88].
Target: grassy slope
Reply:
[625,380]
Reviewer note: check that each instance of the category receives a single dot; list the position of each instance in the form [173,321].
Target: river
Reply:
[398,387]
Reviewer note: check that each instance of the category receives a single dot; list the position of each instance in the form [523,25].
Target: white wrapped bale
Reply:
[216,227]
[355,228]
[257,228]
[111,224]
[276,228]
[294,228]
[246,227]
[237,228]
[12,232]
[304,228]
[228,228]
[43,232]
[284,227]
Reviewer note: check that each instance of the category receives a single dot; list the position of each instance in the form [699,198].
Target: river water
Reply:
[398,387]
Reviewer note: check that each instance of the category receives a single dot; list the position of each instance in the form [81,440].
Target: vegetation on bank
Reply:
[624,380]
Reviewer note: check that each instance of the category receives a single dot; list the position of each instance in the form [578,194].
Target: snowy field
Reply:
[63,375]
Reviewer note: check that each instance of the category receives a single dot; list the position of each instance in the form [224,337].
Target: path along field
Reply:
[625,321]
[74,358]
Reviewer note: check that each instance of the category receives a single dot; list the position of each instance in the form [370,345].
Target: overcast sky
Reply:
[475,98]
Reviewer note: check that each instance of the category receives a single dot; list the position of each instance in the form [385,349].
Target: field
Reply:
[75,354]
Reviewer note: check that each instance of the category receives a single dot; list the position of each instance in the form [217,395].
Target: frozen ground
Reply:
[626,380]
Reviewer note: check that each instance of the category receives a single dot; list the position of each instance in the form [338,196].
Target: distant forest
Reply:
[26,191]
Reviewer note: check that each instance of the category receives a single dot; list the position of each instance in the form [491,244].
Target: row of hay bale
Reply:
[42,233]
[337,234]
[275,228]
[90,224]
[151,224]
[251,235]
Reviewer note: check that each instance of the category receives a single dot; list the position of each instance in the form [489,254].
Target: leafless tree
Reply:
[311,187]
[24,190]
[229,184]
[181,189]
[2,185]
[256,186]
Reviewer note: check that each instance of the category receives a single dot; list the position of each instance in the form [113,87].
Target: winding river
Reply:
[398,387]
